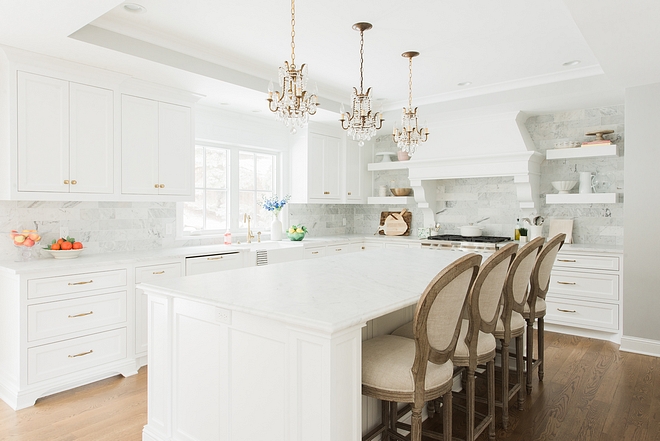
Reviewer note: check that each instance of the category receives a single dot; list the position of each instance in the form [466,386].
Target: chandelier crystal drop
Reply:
[361,122]
[408,138]
[294,104]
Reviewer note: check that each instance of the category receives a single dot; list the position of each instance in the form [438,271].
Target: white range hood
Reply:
[485,146]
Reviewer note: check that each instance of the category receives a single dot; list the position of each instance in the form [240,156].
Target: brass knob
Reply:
[162,185]
[326,192]
[349,193]
[155,185]
[66,181]
[74,182]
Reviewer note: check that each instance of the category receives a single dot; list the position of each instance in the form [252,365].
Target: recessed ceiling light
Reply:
[465,83]
[135,8]
[572,63]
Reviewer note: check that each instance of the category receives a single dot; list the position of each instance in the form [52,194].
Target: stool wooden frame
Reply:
[539,284]
[436,327]
[516,290]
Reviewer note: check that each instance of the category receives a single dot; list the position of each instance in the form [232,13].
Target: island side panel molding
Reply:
[211,370]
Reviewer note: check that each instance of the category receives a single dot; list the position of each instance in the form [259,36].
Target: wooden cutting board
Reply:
[396,231]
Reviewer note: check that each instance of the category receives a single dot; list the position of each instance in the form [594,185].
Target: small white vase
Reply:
[276,228]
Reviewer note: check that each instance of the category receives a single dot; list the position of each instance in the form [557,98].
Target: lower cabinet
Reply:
[585,291]
[61,331]
[149,273]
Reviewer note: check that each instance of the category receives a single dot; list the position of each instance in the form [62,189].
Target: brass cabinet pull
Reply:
[74,182]
[162,185]
[566,283]
[66,181]
[158,272]
[81,354]
[155,185]
[567,260]
[80,283]
[338,249]
[326,192]
[215,258]
[566,310]
[315,252]
[81,314]
[349,193]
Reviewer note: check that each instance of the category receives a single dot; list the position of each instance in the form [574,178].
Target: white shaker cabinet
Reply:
[358,178]
[65,136]
[315,168]
[157,150]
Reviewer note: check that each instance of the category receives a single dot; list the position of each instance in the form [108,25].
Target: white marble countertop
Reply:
[329,294]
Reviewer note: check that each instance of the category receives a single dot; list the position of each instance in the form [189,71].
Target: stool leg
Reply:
[530,353]
[469,404]
[416,424]
[446,416]
[541,343]
[520,371]
[490,368]
[505,384]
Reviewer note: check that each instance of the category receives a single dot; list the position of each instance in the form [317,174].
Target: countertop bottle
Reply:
[227,237]
[516,233]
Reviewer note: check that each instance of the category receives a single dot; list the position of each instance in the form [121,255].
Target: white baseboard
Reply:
[613,336]
[639,345]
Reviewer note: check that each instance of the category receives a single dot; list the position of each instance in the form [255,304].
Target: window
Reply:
[229,181]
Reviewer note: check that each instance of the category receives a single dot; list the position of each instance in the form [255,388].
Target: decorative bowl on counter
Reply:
[64,254]
[563,187]
[296,232]
[400,191]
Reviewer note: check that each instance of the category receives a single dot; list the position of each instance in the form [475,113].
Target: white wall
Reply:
[641,283]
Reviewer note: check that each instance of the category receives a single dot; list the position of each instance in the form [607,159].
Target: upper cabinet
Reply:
[70,132]
[65,136]
[328,169]
[157,147]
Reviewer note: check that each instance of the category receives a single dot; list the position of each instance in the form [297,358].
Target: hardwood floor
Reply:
[114,409]
[591,391]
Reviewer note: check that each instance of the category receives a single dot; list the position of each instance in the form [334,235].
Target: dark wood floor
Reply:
[591,391]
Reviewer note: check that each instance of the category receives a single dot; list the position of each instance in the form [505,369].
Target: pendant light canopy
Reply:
[294,103]
[410,135]
[361,122]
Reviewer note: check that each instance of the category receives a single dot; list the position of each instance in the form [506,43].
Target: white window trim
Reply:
[234,217]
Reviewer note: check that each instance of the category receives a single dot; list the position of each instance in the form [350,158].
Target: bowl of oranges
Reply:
[63,248]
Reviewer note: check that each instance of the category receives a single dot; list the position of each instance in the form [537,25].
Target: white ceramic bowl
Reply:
[563,187]
[471,231]
[64,254]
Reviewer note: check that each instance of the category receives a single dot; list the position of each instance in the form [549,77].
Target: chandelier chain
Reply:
[293,33]
[361,61]
[410,83]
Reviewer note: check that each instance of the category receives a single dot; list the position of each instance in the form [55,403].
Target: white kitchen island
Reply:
[274,352]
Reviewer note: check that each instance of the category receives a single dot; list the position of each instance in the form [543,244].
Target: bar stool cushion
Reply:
[540,308]
[517,325]
[386,363]
[486,344]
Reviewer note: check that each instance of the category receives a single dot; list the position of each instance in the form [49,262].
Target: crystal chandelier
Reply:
[294,104]
[409,137]
[361,123]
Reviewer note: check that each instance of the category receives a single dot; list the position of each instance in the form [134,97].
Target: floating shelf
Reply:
[581,198]
[583,152]
[391,200]
[393,165]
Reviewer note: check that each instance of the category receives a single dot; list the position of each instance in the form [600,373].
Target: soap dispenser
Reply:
[227,237]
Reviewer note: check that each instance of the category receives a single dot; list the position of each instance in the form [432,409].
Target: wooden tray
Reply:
[407,216]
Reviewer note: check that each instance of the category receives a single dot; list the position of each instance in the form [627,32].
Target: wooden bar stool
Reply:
[511,323]
[535,307]
[476,343]
[397,369]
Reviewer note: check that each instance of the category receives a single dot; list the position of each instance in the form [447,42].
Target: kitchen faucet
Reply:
[250,236]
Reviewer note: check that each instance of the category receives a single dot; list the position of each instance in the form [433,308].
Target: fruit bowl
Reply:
[25,242]
[295,236]
[400,191]
[64,254]
[563,187]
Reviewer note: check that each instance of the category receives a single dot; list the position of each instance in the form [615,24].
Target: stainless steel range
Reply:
[479,244]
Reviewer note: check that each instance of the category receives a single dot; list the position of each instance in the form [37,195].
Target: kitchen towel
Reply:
[562,226]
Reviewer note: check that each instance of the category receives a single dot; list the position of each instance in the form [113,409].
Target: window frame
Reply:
[235,224]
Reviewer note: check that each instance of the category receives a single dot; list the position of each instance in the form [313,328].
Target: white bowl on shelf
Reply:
[563,187]
[64,254]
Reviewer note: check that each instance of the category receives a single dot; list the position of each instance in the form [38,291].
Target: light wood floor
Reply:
[591,391]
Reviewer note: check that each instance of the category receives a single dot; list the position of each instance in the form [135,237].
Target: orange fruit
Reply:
[55,246]
[60,240]
[66,245]
[77,245]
